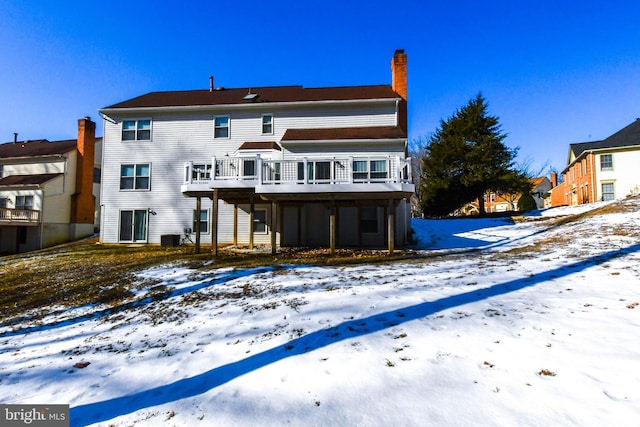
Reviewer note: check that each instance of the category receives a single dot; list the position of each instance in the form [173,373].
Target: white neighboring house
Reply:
[288,166]
[49,190]
[601,170]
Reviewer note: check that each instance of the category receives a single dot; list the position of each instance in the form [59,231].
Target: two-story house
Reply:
[49,190]
[601,170]
[286,165]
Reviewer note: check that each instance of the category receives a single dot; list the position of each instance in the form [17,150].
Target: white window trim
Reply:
[228,127]
[262,124]
[146,225]
[134,189]
[266,222]
[208,222]
[136,120]
[607,169]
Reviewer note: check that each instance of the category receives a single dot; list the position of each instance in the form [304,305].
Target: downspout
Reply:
[41,220]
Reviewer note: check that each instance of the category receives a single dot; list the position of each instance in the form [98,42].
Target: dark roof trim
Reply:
[40,147]
[260,145]
[333,134]
[27,180]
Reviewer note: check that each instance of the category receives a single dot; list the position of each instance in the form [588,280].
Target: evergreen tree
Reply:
[465,158]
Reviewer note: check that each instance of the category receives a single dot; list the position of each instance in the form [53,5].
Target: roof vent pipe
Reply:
[210,83]
[15,137]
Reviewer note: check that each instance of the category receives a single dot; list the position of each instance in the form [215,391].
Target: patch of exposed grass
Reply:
[35,284]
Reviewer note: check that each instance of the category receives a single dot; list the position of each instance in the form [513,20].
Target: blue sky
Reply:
[554,72]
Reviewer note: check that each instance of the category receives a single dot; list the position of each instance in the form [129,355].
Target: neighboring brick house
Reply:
[499,202]
[286,165]
[49,190]
[601,170]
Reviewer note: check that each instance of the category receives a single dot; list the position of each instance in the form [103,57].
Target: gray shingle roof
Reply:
[626,137]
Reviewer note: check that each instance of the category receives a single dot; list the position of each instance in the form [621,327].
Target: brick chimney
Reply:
[399,85]
[399,73]
[554,179]
[83,201]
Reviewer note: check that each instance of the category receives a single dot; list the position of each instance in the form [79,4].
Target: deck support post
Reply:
[198,226]
[332,227]
[274,226]
[391,225]
[252,209]
[214,226]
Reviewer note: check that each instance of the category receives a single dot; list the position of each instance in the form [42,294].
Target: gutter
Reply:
[105,112]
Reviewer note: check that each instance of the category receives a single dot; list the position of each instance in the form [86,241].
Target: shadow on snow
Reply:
[206,381]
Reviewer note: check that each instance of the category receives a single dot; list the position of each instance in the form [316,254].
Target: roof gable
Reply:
[258,95]
[40,147]
[628,136]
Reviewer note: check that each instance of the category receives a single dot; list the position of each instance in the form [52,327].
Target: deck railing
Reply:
[344,170]
[19,216]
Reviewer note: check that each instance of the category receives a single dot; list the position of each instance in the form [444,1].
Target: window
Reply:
[360,171]
[249,167]
[267,124]
[374,170]
[201,172]
[135,177]
[133,225]
[260,221]
[3,202]
[606,162]
[607,191]
[24,202]
[378,169]
[323,170]
[221,127]
[369,220]
[136,130]
[97,175]
[204,220]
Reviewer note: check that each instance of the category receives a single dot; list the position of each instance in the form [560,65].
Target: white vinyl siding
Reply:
[189,136]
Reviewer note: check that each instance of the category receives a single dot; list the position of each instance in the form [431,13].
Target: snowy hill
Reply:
[532,322]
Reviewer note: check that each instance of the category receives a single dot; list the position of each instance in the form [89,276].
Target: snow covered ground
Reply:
[500,324]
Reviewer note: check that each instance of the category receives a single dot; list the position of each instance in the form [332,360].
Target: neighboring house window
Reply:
[260,221]
[369,219]
[133,225]
[267,124]
[607,191]
[1,170]
[97,175]
[135,176]
[606,162]
[3,202]
[221,127]
[136,130]
[24,202]
[204,221]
